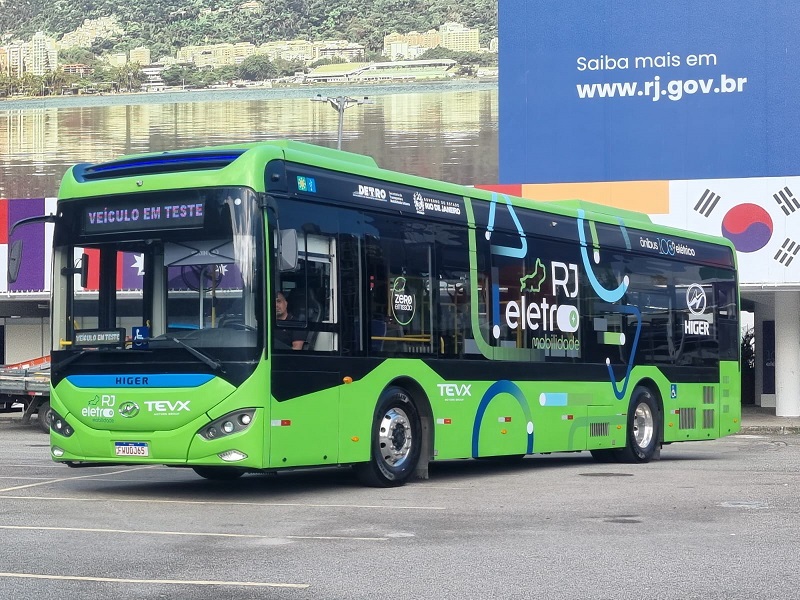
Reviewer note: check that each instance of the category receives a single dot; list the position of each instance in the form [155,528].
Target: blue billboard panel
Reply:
[623,90]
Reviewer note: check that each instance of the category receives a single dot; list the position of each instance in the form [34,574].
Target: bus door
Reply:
[306,377]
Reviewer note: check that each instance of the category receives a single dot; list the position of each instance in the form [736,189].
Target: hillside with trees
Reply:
[166,25]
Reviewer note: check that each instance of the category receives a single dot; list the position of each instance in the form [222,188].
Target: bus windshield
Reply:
[159,271]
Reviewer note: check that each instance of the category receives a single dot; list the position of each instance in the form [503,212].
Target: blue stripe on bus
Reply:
[497,388]
[171,380]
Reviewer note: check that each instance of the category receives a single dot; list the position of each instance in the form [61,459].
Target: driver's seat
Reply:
[307,309]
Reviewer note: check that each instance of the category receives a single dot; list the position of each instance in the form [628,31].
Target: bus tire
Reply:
[218,473]
[643,429]
[45,415]
[396,441]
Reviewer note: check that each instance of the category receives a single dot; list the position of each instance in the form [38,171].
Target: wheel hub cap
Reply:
[394,437]
[643,425]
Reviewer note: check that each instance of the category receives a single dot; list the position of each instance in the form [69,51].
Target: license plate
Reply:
[131,449]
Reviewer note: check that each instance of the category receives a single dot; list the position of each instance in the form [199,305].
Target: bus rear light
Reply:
[233,422]
[232,455]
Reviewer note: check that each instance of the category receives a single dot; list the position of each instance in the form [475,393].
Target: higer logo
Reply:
[166,406]
[696,299]
[544,315]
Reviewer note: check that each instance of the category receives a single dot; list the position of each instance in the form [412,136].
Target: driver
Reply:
[290,338]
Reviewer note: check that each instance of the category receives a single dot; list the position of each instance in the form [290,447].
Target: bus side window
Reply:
[399,272]
[454,296]
[310,280]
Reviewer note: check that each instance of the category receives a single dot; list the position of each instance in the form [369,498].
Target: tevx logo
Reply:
[543,315]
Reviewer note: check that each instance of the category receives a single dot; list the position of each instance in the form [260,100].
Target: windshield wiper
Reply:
[214,364]
[70,359]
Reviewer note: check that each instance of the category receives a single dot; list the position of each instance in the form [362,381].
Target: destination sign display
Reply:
[142,216]
[99,337]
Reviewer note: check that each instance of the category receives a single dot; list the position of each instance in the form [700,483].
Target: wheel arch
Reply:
[423,404]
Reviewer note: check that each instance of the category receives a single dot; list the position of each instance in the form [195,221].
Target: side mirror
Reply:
[287,250]
[15,251]
[14,260]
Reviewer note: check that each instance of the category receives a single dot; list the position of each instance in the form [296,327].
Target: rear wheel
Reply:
[644,428]
[396,441]
[45,416]
[218,473]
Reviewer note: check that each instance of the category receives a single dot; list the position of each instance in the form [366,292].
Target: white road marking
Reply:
[59,480]
[156,581]
[193,533]
[217,503]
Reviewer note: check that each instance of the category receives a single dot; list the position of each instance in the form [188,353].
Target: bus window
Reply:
[399,271]
[310,293]
[309,284]
[453,295]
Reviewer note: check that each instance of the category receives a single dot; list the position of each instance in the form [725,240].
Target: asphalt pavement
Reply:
[711,520]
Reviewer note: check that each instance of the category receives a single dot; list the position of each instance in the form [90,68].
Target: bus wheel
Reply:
[45,416]
[396,441]
[644,425]
[218,473]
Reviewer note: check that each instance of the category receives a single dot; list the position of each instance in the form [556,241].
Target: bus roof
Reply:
[232,164]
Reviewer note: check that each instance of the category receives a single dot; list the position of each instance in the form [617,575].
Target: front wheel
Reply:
[396,441]
[644,428]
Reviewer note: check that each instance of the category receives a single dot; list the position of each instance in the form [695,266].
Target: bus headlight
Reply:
[59,424]
[233,422]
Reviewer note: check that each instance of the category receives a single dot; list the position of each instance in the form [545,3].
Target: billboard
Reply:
[686,110]
[619,90]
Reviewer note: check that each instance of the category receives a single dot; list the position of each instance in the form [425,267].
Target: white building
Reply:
[41,55]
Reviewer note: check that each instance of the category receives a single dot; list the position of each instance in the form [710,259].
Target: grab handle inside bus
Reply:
[82,270]
[287,251]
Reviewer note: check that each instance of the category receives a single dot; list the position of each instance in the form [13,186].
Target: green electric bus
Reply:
[278,305]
